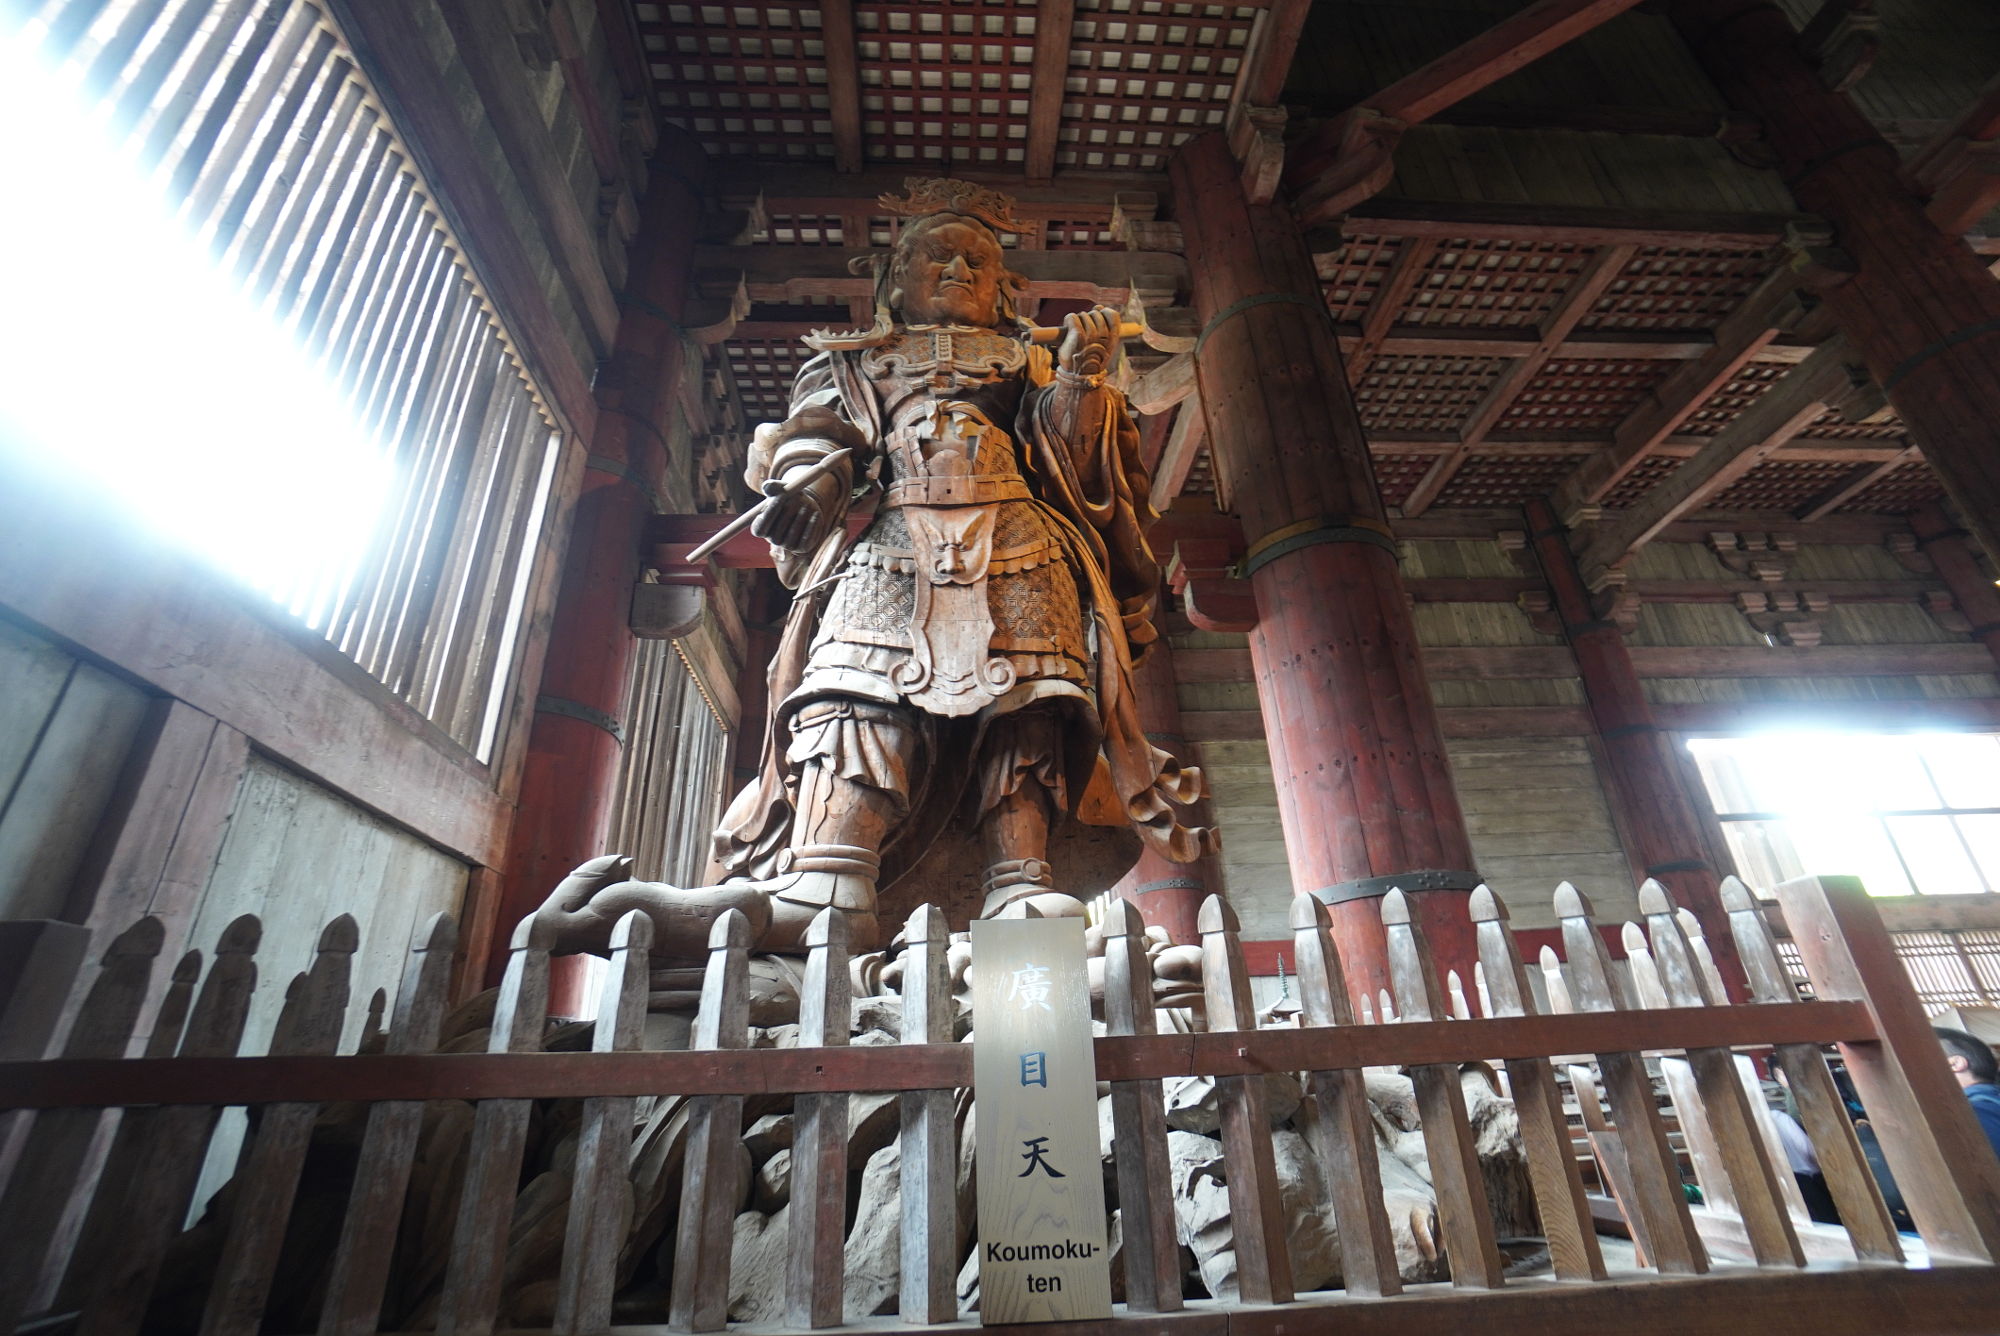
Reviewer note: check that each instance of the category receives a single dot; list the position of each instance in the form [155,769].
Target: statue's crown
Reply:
[926,196]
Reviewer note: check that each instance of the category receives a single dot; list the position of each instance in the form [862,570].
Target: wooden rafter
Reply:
[843,82]
[1326,187]
[1055,25]
[1781,413]
[1567,224]
[1858,480]
[1751,327]
[1406,271]
[1569,311]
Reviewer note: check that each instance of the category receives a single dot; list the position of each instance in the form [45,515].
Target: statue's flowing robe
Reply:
[1101,531]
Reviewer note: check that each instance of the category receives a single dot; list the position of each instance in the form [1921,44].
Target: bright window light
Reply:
[136,367]
[1910,813]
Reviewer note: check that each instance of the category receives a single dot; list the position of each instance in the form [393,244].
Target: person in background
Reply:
[1972,1062]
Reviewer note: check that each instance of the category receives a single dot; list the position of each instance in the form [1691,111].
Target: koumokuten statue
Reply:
[962,660]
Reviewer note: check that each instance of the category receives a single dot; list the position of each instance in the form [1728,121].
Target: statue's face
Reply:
[951,276]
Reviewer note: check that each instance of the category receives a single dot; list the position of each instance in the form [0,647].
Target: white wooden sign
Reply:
[1042,1253]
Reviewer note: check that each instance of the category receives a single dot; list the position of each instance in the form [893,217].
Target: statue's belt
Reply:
[956,490]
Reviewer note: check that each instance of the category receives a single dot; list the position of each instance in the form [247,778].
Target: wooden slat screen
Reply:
[253,119]
[670,782]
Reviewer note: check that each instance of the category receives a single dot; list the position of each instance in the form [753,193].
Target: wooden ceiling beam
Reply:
[1326,187]
[1770,309]
[1782,412]
[843,82]
[778,274]
[1577,301]
[1459,663]
[1183,448]
[1055,26]
[1577,225]
[1859,480]
[1276,40]
[1406,271]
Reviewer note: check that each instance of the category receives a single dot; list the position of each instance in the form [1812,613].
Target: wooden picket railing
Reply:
[172,1097]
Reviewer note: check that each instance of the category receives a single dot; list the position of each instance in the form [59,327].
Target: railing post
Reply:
[929,1132]
[1344,1132]
[1263,1266]
[268,1180]
[1656,1183]
[1822,1111]
[1732,1121]
[1941,1159]
[1566,1219]
[597,1225]
[493,1152]
[704,1234]
[815,1275]
[1139,1125]
[1463,1213]
[389,1146]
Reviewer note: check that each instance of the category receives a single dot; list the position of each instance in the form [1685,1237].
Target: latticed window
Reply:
[1908,814]
[673,770]
[416,454]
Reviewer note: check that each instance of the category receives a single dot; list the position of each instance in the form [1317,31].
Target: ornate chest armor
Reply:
[961,563]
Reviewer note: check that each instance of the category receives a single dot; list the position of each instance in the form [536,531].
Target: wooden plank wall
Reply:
[66,727]
[1523,754]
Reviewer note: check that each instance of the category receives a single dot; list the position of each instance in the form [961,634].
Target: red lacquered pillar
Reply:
[1364,793]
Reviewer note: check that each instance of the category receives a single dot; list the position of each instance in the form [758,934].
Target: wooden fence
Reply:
[171,1098]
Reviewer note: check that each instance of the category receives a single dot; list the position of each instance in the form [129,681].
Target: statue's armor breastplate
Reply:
[949,396]
[960,590]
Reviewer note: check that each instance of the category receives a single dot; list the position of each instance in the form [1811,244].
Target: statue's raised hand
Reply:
[796,520]
[1088,338]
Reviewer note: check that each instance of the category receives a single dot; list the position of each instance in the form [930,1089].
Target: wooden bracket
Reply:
[1540,607]
[1257,140]
[1759,556]
[1842,40]
[1200,571]
[720,299]
[1944,610]
[1787,617]
[1811,254]
[1135,224]
[667,611]
[1909,554]
[1363,162]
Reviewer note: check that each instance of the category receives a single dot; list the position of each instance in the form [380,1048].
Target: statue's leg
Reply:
[1020,793]
[853,762]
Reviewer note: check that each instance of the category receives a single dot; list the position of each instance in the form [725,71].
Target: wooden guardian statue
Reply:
[963,661]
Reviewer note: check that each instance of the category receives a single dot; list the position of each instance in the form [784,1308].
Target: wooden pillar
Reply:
[1169,894]
[1364,794]
[1957,564]
[1920,308]
[571,769]
[1642,774]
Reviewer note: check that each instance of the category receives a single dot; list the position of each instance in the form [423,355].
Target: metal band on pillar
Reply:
[1311,533]
[1374,888]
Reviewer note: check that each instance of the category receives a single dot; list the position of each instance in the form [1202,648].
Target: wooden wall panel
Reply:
[65,730]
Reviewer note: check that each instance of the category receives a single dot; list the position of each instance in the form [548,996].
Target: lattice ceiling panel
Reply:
[1398,475]
[764,370]
[1353,276]
[1505,479]
[1582,396]
[1743,389]
[1678,288]
[1144,77]
[1909,487]
[946,83]
[1780,484]
[1639,481]
[1484,284]
[1830,426]
[1423,394]
[750,80]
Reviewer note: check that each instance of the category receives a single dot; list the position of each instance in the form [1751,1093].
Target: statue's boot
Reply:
[1016,835]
